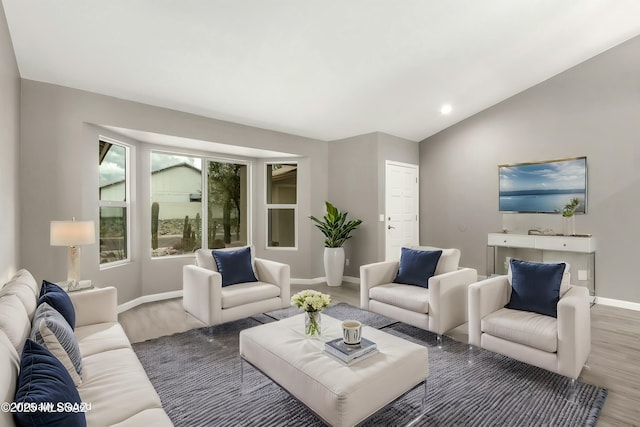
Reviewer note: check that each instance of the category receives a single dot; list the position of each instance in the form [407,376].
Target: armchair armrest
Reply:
[202,293]
[448,295]
[276,273]
[95,306]
[574,331]
[378,273]
[485,297]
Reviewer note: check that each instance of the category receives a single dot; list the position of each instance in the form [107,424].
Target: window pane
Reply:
[113,162]
[113,234]
[282,227]
[227,208]
[176,204]
[281,184]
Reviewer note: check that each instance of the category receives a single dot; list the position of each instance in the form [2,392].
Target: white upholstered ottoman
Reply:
[341,395]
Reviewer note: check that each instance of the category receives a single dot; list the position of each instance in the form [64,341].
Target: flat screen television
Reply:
[543,187]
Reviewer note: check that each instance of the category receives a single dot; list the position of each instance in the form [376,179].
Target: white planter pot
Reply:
[334,265]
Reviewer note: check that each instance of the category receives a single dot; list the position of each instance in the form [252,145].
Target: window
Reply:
[114,202]
[190,211]
[227,204]
[176,204]
[282,207]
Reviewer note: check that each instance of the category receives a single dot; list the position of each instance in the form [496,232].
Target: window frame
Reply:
[275,206]
[205,159]
[126,204]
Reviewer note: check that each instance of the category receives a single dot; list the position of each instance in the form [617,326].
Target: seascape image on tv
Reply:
[543,187]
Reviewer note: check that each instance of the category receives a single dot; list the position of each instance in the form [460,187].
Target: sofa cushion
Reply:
[117,387]
[523,327]
[245,293]
[101,337]
[535,287]
[9,368]
[57,298]
[43,379]
[52,331]
[235,266]
[409,297]
[417,266]
[148,417]
[24,292]
[14,320]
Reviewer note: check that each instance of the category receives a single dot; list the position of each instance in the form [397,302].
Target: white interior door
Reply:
[401,208]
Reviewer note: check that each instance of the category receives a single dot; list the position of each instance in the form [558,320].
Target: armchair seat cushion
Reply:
[409,297]
[523,327]
[245,293]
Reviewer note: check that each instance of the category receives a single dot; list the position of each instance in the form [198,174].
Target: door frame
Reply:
[387,201]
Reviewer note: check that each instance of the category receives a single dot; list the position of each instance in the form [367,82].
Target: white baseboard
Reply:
[148,298]
[618,303]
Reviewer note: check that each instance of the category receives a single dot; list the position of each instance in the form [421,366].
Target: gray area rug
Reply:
[197,375]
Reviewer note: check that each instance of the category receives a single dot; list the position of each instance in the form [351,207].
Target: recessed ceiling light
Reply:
[446,109]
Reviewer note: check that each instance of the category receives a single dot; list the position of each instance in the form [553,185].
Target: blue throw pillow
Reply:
[535,287]
[416,267]
[57,298]
[43,379]
[235,266]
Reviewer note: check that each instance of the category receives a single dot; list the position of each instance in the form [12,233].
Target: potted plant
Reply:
[336,230]
[569,227]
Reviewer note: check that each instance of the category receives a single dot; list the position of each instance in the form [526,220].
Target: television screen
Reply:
[543,187]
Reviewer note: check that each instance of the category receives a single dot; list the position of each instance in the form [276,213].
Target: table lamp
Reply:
[72,234]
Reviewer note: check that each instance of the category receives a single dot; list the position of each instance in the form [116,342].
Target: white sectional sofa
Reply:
[114,382]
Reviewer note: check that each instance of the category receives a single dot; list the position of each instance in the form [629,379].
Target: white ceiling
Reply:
[324,69]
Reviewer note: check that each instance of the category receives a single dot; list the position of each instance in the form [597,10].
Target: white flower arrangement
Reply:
[310,300]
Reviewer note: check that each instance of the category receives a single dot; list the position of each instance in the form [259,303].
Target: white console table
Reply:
[578,251]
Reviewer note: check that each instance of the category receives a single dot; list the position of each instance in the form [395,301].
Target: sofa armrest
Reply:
[378,273]
[574,331]
[485,297]
[278,274]
[202,294]
[93,306]
[448,295]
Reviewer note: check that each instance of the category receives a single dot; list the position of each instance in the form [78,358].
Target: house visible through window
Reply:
[114,202]
[282,208]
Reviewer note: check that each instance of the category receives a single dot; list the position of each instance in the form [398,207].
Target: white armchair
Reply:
[206,299]
[560,344]
[439,308]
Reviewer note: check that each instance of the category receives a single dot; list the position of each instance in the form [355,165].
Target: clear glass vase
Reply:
[568,226]
[312,323]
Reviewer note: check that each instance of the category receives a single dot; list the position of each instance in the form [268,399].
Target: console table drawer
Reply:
[572,244]
[511,240]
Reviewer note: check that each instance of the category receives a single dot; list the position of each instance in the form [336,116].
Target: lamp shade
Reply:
[72,233]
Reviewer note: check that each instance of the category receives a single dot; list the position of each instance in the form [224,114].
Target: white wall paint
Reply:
[590,110]
[59,179]
[9,149]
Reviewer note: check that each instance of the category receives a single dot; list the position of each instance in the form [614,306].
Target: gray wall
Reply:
[590,110]
[59,180]
[357,185]
[9,149]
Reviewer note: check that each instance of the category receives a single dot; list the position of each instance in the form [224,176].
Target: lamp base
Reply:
[73,264]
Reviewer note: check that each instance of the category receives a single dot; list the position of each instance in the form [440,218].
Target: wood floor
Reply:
[614,362]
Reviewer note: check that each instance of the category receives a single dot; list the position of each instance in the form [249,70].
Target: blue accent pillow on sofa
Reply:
[416,267]
[535,287]
[235,266]
[57,298]
[43,379]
